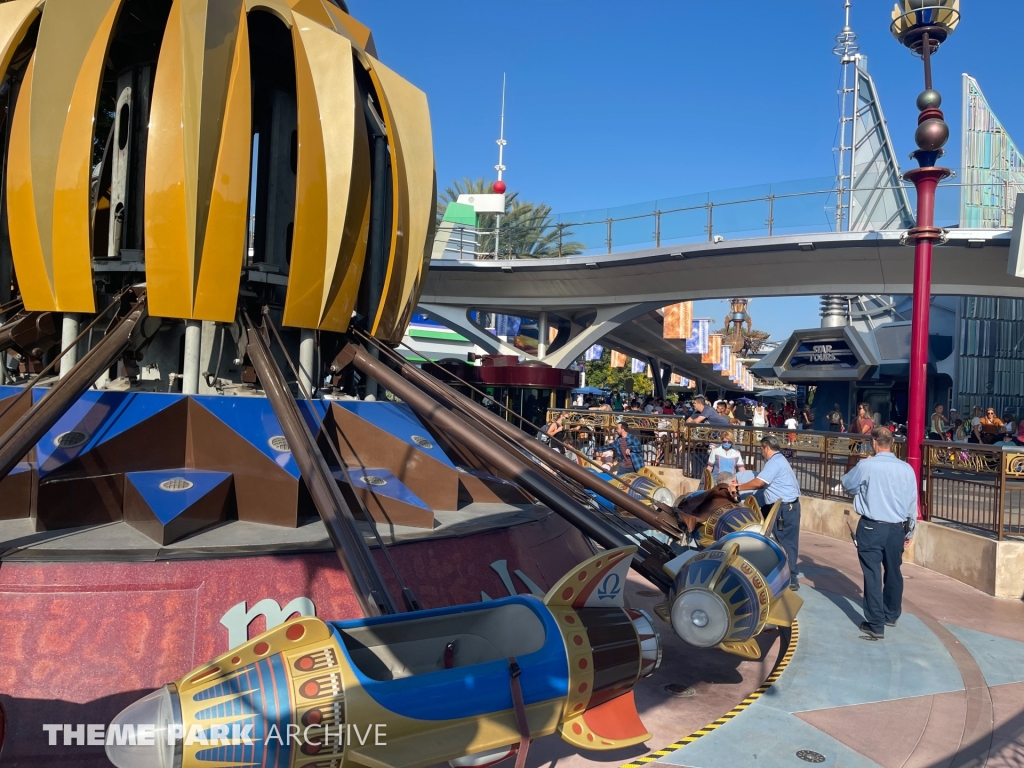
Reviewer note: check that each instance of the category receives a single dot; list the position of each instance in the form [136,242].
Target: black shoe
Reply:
[794,585]
[890,623]
[870,632]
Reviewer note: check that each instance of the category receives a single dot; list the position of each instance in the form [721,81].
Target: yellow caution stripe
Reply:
[775,675]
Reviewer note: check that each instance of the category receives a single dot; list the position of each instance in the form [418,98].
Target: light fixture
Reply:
[592,264]
[975,243]
[806,246]
[678,255]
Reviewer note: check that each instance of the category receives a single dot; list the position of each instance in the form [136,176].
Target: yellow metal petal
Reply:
[407,119]
[33,273]
[168,243]
[227,226]
[309,239]
[312,11]
[359,34]
[72,239]
[333,187]
[190,191]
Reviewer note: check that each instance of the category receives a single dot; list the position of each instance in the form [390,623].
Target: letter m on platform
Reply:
[237,619]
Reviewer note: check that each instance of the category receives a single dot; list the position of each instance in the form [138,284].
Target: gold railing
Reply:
[976,486]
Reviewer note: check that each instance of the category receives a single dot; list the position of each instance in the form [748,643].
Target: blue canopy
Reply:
[589,391]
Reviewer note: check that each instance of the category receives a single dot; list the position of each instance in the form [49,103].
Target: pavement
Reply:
[943,689]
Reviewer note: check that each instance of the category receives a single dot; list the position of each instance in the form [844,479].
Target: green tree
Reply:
[527,229]
[600,374]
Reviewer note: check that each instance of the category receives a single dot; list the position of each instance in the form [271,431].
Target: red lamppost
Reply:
[922,26]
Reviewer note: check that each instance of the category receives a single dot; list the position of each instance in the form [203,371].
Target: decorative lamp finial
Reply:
[912,20]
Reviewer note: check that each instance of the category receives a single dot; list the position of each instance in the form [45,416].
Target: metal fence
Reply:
[794,207]
[975,486]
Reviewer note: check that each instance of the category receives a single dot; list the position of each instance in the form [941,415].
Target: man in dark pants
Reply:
[884,491]
[777,482]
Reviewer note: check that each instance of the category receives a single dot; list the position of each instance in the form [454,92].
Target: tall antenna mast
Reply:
[847,49]
[499,185]
[501,136]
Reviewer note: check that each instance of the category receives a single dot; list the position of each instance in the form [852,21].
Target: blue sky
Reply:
[612,103]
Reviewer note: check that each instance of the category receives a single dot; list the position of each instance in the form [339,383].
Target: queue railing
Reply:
[975,486]
[819,459]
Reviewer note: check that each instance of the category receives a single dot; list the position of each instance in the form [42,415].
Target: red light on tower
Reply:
[499,187]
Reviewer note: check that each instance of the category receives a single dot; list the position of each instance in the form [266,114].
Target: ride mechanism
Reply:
[261,162]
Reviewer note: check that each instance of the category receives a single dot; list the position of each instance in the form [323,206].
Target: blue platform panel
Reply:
[100,416]
[254,420]
[393,488]
[168,504]
[398,420]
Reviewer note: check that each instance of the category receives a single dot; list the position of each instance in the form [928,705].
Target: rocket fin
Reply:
[611,725]
[769,519]
[748,649]
[595,583]
[751,503]
[785,608]
[673,566]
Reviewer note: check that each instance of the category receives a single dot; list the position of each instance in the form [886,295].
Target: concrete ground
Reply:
[944,689]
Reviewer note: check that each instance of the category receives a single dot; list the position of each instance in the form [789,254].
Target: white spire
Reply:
[501,136]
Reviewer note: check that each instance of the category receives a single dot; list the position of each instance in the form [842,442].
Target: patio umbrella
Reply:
[776,393]
[589,391]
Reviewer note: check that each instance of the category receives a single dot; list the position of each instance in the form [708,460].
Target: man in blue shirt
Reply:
[777,482]
[884,491]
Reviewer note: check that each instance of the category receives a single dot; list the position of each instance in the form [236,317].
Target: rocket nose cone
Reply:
[147,734]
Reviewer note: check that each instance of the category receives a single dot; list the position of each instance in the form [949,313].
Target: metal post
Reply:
[560,227]
[307,357]
[771,214]
[657,229]
[1001,496]
[609,235]
[190,372]
[69,332]
[542,335]
[711,222]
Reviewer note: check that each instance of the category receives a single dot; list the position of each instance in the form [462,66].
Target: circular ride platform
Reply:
[945,687]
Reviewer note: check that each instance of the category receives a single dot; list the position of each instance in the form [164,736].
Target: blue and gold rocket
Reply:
[724,595]
[414,689]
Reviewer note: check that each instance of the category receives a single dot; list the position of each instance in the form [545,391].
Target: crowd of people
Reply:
[982,427]
[742,412]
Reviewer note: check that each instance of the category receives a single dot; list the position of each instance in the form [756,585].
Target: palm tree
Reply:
[527,229]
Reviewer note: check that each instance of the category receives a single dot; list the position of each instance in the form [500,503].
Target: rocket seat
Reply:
[417,646]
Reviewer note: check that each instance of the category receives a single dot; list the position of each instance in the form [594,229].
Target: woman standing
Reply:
[862,425]
[760,415]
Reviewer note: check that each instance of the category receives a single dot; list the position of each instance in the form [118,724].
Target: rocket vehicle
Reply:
[726,594]
[469,684]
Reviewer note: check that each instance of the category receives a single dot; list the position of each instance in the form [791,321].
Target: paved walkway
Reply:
[944,689]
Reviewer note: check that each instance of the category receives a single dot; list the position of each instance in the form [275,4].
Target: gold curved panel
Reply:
[311,11]
[225,238]
[409,131]
[309,240]
[168,251]
[389,309]
[333,183]
[194,174]
[33,273]
[279,8]
[359,34]
[72,239]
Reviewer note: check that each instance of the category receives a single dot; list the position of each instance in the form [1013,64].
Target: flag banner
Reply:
[618,360]
[507,325]
[700,330]
[639,366]
[714,353]
[594,353]
[678,322]
[676,379]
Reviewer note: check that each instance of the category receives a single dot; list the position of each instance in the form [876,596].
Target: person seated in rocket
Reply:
[696,508]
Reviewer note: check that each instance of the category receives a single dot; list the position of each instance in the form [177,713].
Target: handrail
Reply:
[561,225]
